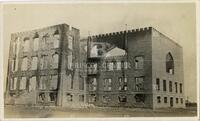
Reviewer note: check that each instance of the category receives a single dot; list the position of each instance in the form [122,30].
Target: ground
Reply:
[55,112]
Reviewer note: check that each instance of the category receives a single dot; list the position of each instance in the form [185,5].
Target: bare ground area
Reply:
[56,112]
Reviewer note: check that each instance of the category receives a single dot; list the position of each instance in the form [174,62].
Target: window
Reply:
[122,99]
[53,82]
[139,62]
[118,65]
[139,83]
[16,46]
[26,45]
[42,82]
[52,96]
[177,100]
[107,84]
[114,65]
[55,60]
[81,98]
[181,90]
[123,83]
[70,42]
[69,97]
[22,85]
[34,63]
[106,99]
[35,44]
[158,99]
[158,84]
[165,99]
[56,40]
[110,66]
[69,58]
[139,98]
[45,41]
[176,87]
[93,84]
[181,100]
[81,83]
[13,84]
[32,84]
[92,98]
[169,64]
[24,63]
[164,85]
[41,97]
[44,62]
[14,64]
[170,86]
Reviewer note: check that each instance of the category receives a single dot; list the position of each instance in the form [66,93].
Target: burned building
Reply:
[137,68]
[54,67]
[41,67]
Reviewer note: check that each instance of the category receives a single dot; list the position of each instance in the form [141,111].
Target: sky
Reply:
[176,20]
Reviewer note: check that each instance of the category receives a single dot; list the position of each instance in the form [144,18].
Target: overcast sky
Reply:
[177,21]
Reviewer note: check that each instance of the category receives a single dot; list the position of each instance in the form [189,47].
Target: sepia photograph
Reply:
[99,59]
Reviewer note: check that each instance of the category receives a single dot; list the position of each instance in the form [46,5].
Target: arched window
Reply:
[169,64]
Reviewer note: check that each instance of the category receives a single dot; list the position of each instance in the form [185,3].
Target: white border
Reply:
[99,2]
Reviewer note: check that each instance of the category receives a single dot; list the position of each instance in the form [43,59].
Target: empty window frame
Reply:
[139,62]
[93,84]
[26,44]
[122,98]
[23,83]
[169,64]
[53,82]
[35,44]
[43,83]
[123,86]
[107,84]
[139,98]
[106,99]
[44,62]
[13,84]
[170,86]
[157,84]
[70,42]
[32,83]
[56,40]
[34,63]
[139,83]
[24,65]
[55,60]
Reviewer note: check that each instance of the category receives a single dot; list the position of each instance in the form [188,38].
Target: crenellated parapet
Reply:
[121,33]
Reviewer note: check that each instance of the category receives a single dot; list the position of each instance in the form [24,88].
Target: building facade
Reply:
[41,64]
[135,68]
[138,68]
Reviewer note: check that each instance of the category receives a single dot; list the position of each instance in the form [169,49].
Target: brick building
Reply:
[41,64]
[138,68]
[53,66]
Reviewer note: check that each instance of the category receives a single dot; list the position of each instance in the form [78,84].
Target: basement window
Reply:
[52,96]
[140,98]
[41,97]
[122,99]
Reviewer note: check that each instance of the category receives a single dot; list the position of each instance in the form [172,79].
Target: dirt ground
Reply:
[55,112]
